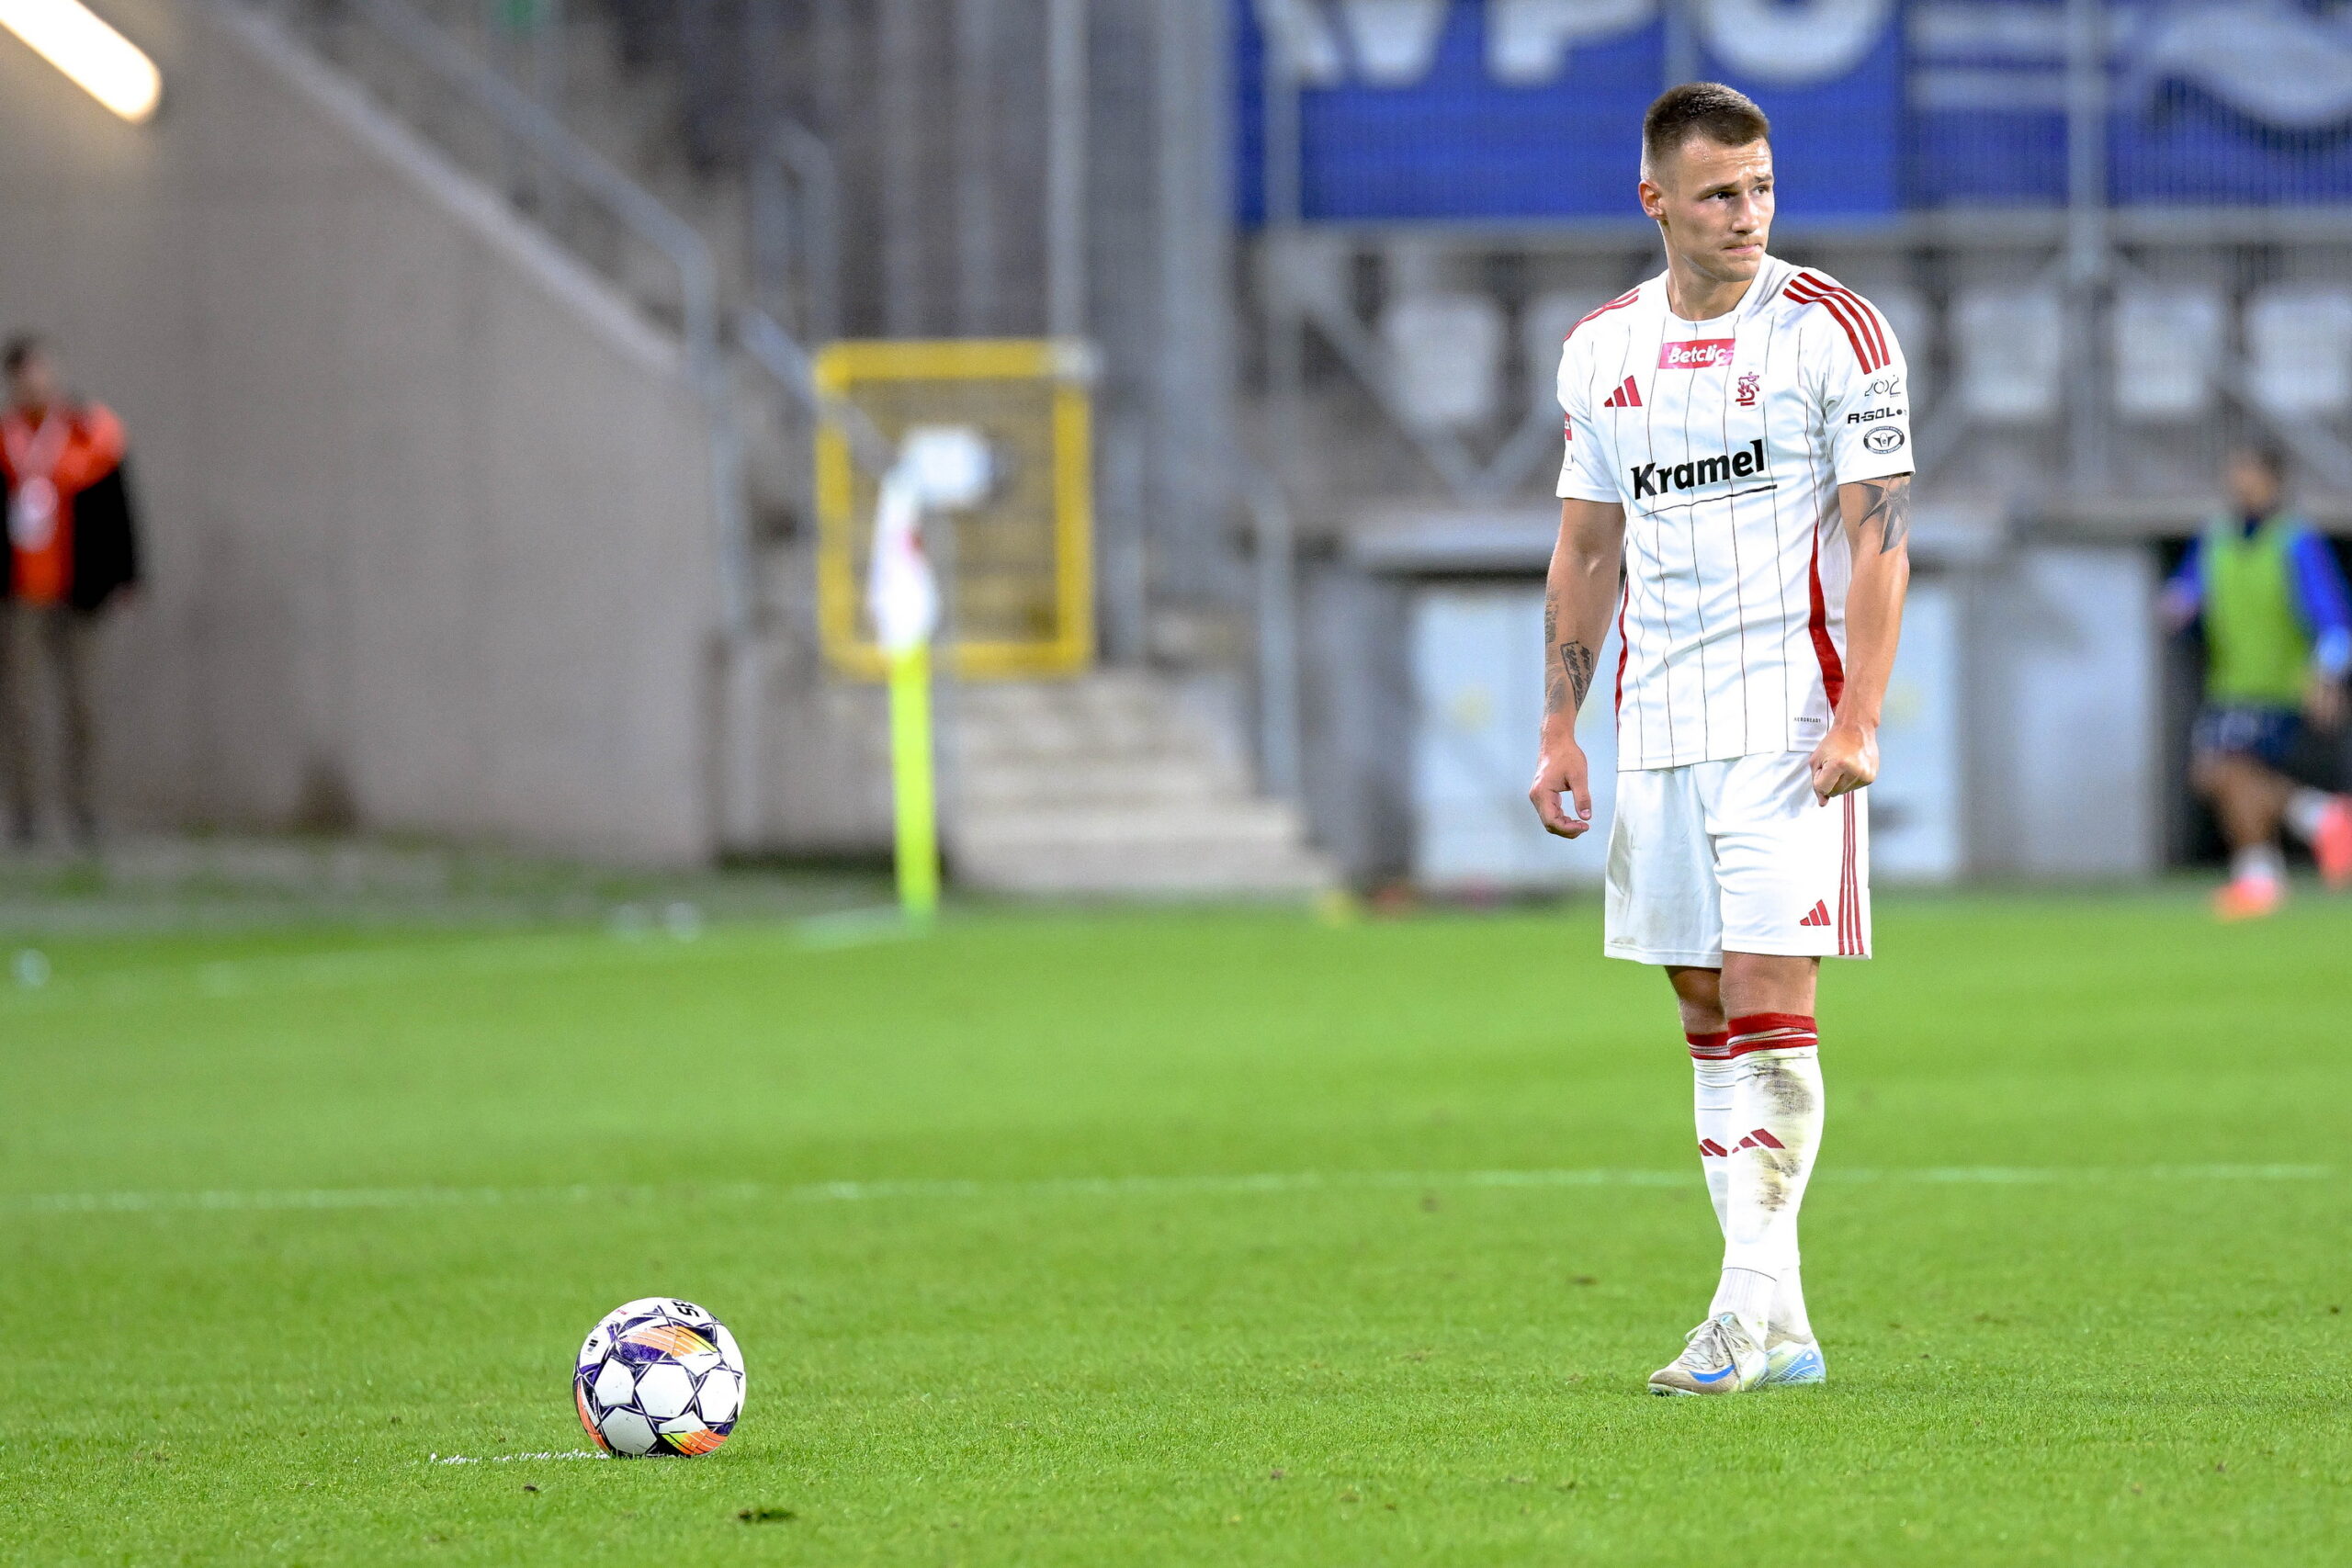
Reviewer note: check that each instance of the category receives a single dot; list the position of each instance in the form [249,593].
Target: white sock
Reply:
[2306,809]
[2259,863]
[1777,1113]
[1713,1076]
[1746,1294]
[1789,1321]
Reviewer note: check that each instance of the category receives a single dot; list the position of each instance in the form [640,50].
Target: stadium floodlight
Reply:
[95,57]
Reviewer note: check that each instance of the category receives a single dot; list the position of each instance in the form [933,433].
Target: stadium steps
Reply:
[1109,784]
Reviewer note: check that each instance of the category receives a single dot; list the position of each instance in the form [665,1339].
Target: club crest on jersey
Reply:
[1698,354]
[1652,478]
[1747,387]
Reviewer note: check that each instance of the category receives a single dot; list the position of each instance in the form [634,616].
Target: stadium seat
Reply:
[2166,338]
[2011,344]
[1447,349]
[1544,326]
[2299,343]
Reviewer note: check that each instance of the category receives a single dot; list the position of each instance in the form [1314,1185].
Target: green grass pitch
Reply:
[286,1215]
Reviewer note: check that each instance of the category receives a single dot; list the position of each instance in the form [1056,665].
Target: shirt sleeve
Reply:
[1865,392]
[1583,476]
[2319,588]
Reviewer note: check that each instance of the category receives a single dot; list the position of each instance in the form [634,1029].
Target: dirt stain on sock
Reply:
[1793,1102]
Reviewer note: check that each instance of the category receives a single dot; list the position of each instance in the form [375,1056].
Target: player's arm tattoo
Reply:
[1888,510]
[1576,659]
[1567,673]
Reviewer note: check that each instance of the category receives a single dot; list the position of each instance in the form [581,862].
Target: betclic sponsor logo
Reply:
[1695,353]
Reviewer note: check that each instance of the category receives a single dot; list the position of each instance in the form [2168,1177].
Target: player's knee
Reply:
[1699,993]
[1768,982]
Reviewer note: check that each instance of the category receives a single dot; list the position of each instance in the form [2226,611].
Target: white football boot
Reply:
[1792,1363]
[1717,1357]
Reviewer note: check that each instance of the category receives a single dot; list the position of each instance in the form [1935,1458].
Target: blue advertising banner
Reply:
[2211,102]
[1531,109]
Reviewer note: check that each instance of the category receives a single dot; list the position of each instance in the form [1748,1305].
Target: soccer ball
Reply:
[658,1377]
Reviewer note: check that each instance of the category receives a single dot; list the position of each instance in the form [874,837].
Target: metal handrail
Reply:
[800,154]
[775,351]
[639,210]
[643,214]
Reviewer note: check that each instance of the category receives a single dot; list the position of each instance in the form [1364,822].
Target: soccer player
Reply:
[1737,496]
[2278,645]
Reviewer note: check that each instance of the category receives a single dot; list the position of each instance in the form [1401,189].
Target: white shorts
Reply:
[1737,855]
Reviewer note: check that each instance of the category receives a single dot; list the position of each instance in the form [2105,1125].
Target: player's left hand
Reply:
[1845,759]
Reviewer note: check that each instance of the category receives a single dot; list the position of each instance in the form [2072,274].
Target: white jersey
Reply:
[1725,441]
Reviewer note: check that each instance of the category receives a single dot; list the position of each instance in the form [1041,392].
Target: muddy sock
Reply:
[1776,1114]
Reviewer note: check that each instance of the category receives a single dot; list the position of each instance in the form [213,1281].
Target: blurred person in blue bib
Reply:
[2271,597]
[73,549]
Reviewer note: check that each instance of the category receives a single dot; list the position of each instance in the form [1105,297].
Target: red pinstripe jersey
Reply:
[1725,441]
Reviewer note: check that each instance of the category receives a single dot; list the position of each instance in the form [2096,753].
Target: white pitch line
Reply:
[487,957]
[362,1197]
[510,1459]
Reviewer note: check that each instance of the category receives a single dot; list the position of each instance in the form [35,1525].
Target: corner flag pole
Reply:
[903,597]
[911,783]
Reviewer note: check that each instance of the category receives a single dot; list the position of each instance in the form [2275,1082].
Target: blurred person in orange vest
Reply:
[73,549]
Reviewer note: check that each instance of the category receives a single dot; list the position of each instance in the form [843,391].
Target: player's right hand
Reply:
[1561,767]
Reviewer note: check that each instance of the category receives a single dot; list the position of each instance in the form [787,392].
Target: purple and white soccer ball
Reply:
[659,1378]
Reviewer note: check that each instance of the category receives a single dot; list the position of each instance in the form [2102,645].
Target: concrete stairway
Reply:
[1111,785]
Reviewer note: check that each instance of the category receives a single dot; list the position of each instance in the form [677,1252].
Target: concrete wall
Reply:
[428,509]
[2065,714]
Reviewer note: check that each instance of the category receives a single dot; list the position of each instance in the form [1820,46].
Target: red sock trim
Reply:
[1758,1022]
[1772,1032]
[1710,1047]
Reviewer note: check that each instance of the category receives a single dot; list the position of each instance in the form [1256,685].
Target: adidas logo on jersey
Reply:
[1650,479]
[1625,396]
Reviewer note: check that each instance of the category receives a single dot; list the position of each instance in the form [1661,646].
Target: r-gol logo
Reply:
[1698,354]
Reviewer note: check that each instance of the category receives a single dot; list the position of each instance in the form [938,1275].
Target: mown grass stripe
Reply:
[1082,1187]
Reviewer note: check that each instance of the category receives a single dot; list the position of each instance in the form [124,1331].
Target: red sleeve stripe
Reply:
[1856,317]
[1859,320]
[1617,304]
[1853,312]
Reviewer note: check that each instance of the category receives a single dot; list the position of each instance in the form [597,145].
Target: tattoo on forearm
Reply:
[1576,660]
[1555,684]
[1889,510]
[1567,680]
